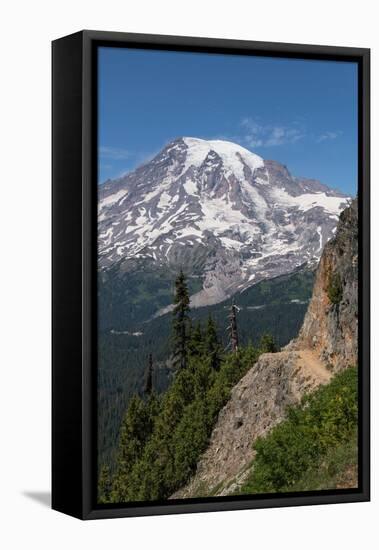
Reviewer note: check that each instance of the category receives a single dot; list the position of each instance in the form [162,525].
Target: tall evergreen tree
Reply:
[212,345]
[181,322]
[148,386]
[196,340]
[136,428]
[105,485]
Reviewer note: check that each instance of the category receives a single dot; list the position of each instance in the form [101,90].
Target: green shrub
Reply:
[330,470]
[267,344]
[322,421]
[335,289]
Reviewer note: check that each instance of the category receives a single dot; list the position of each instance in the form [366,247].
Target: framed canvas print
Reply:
[210,275]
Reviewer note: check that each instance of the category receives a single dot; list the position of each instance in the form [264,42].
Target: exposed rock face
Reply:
[331,329]
[327,342]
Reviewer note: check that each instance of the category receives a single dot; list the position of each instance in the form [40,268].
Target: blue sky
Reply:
[300,113]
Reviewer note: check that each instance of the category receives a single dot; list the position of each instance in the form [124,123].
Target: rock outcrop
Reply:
[330,328]
[327,342]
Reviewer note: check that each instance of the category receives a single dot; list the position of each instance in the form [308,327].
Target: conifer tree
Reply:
[148,386]
[105,485]
[136,427]
[212,344]
[181,322]
[196,340]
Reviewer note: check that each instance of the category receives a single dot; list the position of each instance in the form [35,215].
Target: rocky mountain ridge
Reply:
[327,343]
[217,210]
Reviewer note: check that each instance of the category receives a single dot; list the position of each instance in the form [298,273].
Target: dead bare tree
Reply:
[233,331]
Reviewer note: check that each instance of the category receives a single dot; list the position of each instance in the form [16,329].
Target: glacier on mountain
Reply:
[217,210]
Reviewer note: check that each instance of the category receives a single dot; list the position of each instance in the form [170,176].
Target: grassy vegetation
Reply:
[314,443]
[333,470]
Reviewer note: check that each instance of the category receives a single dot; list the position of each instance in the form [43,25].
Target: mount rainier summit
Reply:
[224,215]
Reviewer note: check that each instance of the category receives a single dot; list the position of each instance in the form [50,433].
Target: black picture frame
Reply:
[74,205]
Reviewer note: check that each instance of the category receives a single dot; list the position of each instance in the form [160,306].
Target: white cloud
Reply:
[327,136]
[257,134]
[266,135]
[114,153]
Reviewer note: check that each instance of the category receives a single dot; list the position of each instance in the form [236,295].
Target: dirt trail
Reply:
[310,364]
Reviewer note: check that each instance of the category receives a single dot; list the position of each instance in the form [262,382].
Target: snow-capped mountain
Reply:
[217,210]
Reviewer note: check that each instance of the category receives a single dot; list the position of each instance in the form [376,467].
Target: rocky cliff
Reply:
[330,325]
[327,342]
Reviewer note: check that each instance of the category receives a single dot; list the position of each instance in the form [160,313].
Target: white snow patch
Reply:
[130,228]
[111,199]
[219,216]
[151,194]
[142,219]
[230,243]
[332,205]
[230,153]
[189,231]
[261,181]
[191,188]
[164,200]
[123,199]
[107,236]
